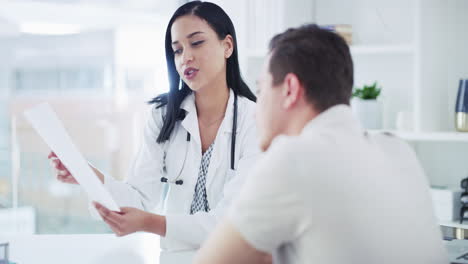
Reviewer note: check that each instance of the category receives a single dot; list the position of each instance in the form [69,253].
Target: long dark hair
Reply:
[178,90]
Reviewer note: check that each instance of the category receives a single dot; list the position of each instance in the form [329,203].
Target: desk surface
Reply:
[90,249]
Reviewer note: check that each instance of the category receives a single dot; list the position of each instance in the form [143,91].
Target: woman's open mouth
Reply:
[190,73]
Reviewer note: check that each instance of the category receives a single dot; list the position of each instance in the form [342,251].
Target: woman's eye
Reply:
[177,51]
[196,43]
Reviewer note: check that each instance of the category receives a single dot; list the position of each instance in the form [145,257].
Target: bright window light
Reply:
[49,29]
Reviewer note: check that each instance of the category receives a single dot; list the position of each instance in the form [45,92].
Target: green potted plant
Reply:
[366,107]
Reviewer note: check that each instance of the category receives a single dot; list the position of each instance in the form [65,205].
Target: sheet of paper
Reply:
[44,120]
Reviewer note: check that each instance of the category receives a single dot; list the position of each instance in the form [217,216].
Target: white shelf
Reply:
[449,136]
[381,49]
[454,224]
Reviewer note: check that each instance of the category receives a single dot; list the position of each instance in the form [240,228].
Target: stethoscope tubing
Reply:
[178,181]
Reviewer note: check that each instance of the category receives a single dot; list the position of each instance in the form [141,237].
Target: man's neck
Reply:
[299,119]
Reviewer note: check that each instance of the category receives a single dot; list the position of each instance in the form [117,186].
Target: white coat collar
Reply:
[190,122]
[338,116]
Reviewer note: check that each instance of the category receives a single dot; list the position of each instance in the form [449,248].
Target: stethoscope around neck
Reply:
[178,181]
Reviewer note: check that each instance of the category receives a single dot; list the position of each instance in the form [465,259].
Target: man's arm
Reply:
[227,246]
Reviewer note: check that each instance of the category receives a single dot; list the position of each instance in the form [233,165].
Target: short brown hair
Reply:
[319,58]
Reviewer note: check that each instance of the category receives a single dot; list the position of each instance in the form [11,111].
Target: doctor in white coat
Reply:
[198,143]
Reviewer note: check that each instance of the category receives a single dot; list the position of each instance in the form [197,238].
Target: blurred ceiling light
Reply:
[49,29]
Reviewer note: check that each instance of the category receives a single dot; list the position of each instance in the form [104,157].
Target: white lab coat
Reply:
[143,189]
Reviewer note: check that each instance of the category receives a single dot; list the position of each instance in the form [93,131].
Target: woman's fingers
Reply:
[72,180]
[63,174]
[62,178]
[108,214]
[56,163]
[111,218]
[60,166]
[67,179]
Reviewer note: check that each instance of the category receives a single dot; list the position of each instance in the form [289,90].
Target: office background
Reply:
[98,61]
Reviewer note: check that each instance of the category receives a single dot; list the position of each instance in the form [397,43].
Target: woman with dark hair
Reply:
[199,141]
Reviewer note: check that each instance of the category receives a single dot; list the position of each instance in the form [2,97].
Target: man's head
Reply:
[308,70]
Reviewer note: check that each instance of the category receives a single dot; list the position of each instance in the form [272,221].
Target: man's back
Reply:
[341,196]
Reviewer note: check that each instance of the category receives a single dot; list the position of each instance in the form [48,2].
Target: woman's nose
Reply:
[187,56]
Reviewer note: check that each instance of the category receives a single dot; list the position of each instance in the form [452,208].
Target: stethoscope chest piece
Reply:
[177,182]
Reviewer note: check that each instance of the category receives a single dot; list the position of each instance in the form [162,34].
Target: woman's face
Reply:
[199,55]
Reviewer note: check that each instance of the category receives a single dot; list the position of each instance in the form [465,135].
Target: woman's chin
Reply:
[194,86]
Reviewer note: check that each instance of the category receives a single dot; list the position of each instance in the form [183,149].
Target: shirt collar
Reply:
[338,117]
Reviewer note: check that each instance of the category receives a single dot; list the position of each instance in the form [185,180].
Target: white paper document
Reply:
[44,120]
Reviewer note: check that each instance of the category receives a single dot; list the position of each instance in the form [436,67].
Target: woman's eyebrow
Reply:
[191,35]
[194,33]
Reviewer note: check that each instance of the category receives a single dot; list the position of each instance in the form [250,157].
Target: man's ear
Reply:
[228,43]
[292,90]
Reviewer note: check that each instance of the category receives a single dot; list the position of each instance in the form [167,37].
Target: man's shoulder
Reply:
[294,149]
[306,142]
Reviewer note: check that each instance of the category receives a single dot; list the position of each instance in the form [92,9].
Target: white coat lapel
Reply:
[190,122]
[218,162]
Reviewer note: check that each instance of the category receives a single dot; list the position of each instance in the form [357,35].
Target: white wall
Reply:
[93,48]
[444,59]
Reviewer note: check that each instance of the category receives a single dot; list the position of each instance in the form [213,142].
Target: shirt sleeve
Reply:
[269,211]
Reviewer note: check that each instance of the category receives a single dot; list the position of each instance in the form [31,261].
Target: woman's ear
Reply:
[228,43]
